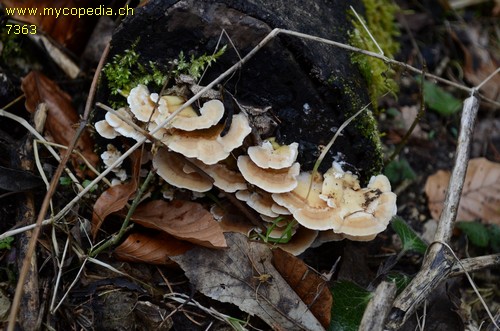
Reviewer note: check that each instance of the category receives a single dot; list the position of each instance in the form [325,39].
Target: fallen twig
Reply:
[378,308]
[438,261]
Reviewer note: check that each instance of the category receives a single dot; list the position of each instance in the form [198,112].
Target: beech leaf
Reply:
[116,197]
[184,220]
[148,248]
[110,201]
[62,117]
[308,285]
[480,195]
[243,275]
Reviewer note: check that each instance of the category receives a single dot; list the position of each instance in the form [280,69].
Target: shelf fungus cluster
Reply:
[198,153]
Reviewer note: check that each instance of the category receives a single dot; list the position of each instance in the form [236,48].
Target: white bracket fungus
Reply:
[270,180]
[340,204]
[211,113]
[208,145]
[266,156]
[225,179]
[170,167]
[112,122]
[334,201]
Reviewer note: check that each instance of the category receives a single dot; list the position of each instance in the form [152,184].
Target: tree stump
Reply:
[309,88]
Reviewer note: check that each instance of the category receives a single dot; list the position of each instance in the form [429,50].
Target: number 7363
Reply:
[21,29]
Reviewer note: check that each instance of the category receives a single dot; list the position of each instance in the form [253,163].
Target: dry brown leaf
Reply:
[308,285]
[244,275]
[480,196]
[111,201]
[479,63]
[153,249]
[184,220]
[62,117]
[116,197]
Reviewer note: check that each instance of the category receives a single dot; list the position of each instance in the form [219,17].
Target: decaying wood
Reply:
[438,262]
[474,264]
[378,308]
[30,305]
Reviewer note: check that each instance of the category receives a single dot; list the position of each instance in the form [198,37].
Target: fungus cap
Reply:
[261,203]
[280,209]
[280,223]
[306,206]
[270,180]
[140,103]
[224,178]
[243,195]
[335,184]
[369,210]
[207,145]
[266,156]
[361,224]
[168,104]
[211,113]
[121,126]
[105,130]
[301,240]
[170,167]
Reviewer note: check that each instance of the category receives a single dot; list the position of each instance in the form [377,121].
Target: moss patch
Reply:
[379,18]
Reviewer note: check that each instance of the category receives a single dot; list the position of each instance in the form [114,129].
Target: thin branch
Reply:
[117,237]
[438,262]
[378,307]
[475,264]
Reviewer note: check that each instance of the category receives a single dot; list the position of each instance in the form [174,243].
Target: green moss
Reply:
[196,65]
[379,18]
[125,71]
[10,43]
[367,127]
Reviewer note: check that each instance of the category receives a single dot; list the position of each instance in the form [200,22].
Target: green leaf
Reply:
[65,181]
[495,238]
[410,240]
[400,279]
[349,304]
[86,183]
[476,232]
[397,171]
[6,243]
[439,100]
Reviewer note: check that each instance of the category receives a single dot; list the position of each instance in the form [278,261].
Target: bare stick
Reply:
[438,262]
[378,307]
[474,264]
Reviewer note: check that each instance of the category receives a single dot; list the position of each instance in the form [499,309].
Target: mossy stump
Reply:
[309,88]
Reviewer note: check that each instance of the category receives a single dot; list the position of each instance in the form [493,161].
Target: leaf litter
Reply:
[480,195]
[61,116]
[150,248]
[243,274]
[184,220]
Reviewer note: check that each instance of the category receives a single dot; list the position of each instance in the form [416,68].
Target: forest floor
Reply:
[107,292]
